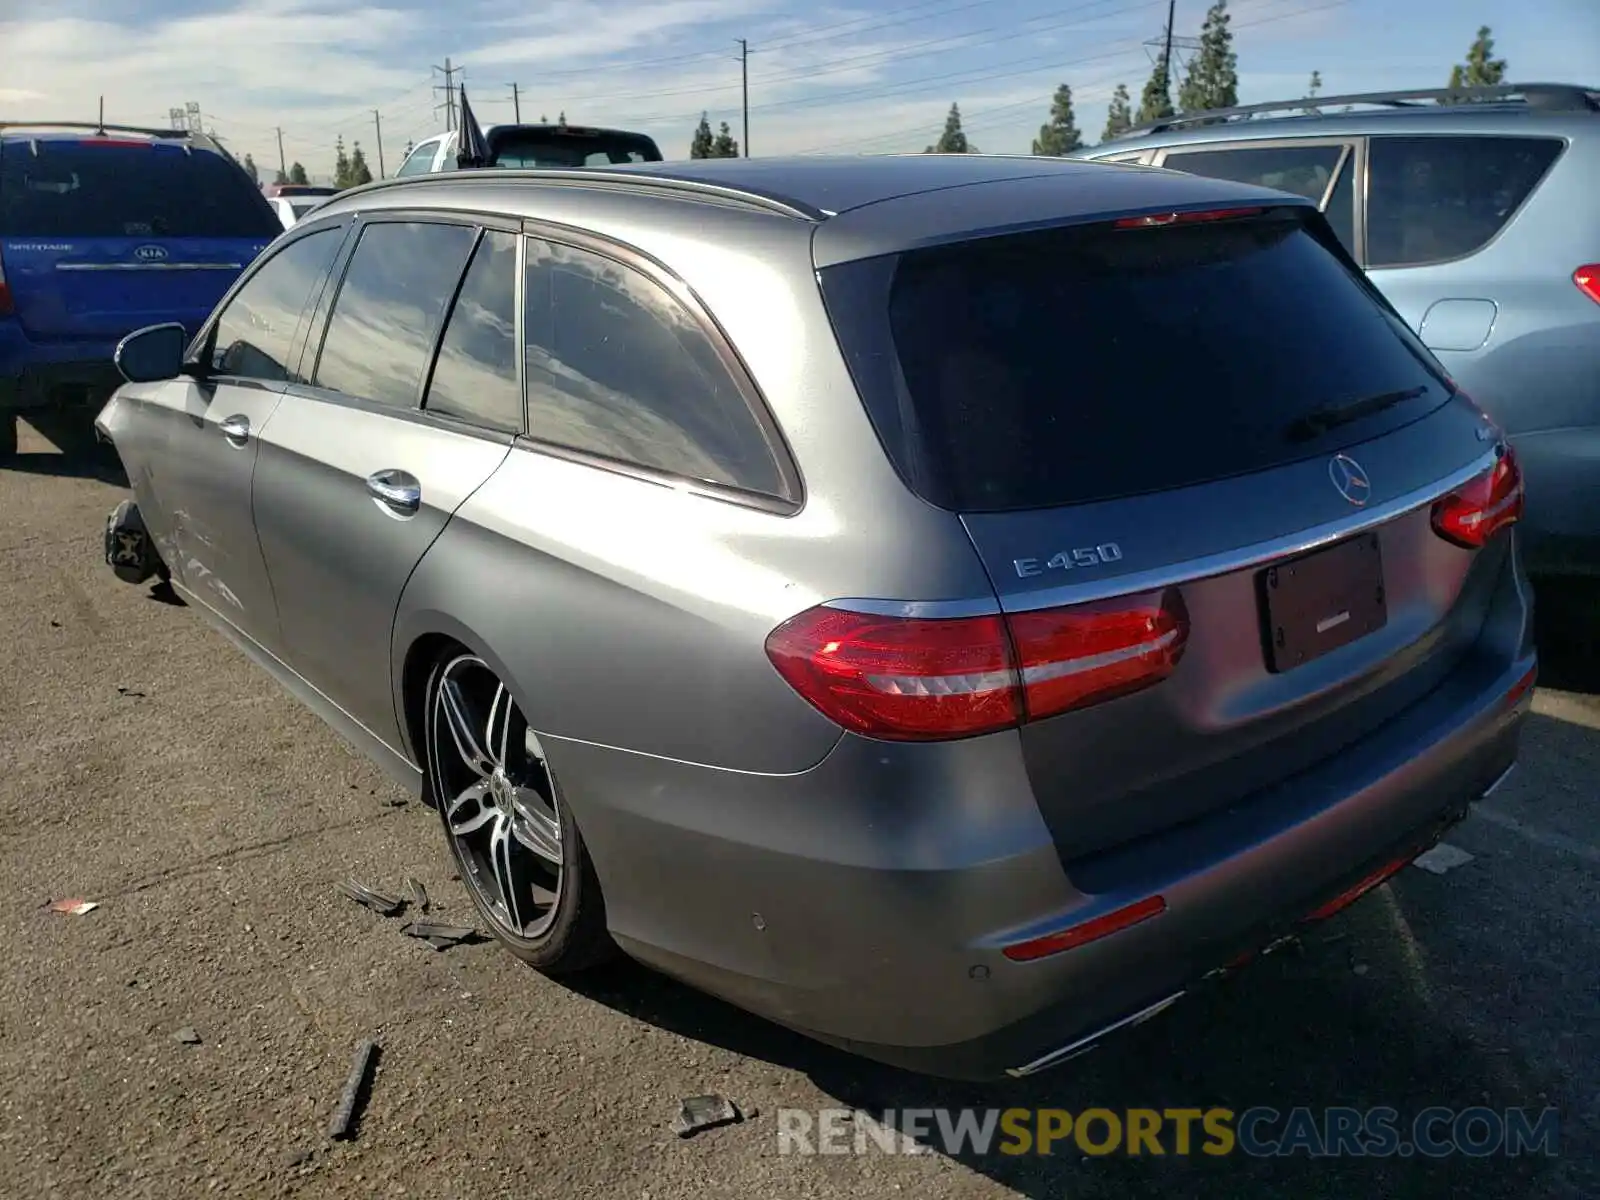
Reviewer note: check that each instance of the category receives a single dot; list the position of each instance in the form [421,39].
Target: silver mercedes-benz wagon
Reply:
[950,605]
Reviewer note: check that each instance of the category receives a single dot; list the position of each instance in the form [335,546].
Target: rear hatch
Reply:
[555,146]
[103,235]
[1145,425]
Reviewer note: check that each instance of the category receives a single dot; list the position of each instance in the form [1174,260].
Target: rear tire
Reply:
[509,829]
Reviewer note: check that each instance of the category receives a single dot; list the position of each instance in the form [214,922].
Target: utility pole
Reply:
[283,167]
[1166,52]
[377,123]
[516,103]
[102,125]
[744,87]
[449,72]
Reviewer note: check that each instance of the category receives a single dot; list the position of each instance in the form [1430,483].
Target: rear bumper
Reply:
[865,902]
[34,374]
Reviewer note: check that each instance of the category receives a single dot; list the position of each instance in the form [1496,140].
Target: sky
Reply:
[834,76]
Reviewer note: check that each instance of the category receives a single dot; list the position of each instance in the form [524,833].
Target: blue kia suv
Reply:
[104,230]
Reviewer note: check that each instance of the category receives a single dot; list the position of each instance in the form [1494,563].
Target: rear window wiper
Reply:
[1328,417]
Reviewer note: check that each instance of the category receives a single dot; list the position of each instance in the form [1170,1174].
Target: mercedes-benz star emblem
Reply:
[1350,478]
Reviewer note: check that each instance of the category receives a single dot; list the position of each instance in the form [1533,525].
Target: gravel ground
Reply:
[146,765]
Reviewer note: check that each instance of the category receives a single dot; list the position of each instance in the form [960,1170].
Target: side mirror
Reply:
[152,354]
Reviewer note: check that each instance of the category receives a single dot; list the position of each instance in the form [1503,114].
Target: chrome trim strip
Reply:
[983,607]
[167,266]
[1089,1039]
[1246,557]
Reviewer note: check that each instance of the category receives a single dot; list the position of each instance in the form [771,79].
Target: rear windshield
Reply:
[1085,364]
[88,189]
[573,150]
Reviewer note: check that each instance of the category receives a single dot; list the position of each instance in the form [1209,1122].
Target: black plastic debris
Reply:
[697,1113]
[187,1036]
[379,902]
[342,1125]
[419,894]
[440,937]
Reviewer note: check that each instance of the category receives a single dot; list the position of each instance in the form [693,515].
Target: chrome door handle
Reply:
[396,490]
[236,429]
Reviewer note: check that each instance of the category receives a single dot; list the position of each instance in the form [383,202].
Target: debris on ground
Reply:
[440,937]
[342,1125]
[697,1113]
[130,693]
[1441,858]
[419,894]
[1361,968]
[187,1036]
[74,906]
[379,902]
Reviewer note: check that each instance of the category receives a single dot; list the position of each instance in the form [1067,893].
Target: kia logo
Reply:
[150,254]
[1350,478]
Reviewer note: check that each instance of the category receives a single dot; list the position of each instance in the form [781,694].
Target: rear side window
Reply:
[400,280]
[420,160]
[92,188]
[1304,170]
[572,150]
[475,375]
[255,333]
[618,368]
[1083,364]
[1431,199]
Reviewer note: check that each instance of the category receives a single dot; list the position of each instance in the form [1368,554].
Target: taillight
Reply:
[1588,281]
[7,305]
[1476,511]
[1157,220]
[927,679]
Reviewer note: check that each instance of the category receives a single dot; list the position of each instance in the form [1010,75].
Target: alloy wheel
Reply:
[496,797]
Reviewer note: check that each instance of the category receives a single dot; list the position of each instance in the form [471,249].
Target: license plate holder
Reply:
[1318,602]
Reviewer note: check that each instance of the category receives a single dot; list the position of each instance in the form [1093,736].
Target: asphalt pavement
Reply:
[192,1033]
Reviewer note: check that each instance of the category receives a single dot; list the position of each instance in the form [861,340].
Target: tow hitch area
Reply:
[130,553]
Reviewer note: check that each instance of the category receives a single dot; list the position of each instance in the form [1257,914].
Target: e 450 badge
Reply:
[1068,560]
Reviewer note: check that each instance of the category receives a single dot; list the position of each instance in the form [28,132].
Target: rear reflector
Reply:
[1475,512]
[1588,281]
[1522,687]
[928,679]
[1351,894]
[1089,931]
[1158,220]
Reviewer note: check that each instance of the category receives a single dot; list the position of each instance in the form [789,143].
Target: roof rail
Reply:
[98,127]
[774,202]
[1550,97]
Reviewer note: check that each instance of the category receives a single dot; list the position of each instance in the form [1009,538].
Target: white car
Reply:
[291,208]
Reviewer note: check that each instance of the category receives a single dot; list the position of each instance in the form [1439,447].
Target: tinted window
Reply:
[572,150]
[256,331]
[1431,199]
[1303,170]
[380,336]
[475,377]
[1076,365]
[88,189]
[617,367]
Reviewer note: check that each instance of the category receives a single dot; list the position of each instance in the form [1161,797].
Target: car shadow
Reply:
[1342,1020]
[1567,626]
[78,453]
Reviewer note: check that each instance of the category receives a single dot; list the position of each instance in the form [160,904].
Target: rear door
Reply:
[1323,170]
[1143,426]
[357,476]
[104,235]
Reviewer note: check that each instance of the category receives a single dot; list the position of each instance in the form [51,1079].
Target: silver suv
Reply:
[950,605]
[1474,212]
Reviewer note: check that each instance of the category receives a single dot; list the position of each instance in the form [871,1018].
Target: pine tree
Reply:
[953,140]
[297,174]
[359,171]
[1060,135]
[341,165]
[1481,69]
[1119,116]
[1312,89]
[561,118]
[1212,80]
[725,146]
[1156,102]
[282,177]
[703,144]
[250,169]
